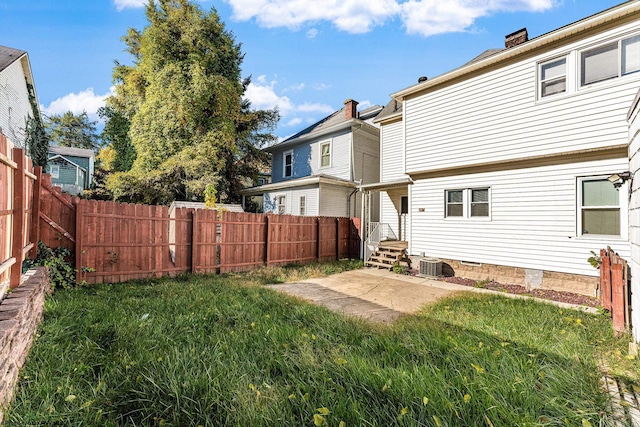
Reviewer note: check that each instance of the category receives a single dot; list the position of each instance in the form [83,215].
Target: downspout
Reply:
[355,190]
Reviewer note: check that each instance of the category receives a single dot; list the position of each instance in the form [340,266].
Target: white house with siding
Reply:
[15,76]
[316,171]
[504,161]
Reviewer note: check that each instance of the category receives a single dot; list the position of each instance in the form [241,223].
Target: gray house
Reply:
[317,171]
[71,168]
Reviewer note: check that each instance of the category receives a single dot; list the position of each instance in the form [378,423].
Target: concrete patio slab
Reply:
[381,295]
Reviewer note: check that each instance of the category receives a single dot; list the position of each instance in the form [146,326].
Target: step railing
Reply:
[377,232]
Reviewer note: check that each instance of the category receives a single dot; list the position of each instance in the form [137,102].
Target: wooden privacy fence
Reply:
[118,242]
[614,289]
[16,211]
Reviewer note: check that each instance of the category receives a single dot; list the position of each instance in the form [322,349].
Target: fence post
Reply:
[194,233]
[337,238]
[79,205]
[618,306]
[266,240]
[35,211]
[18,218]
[605,279]
[318,246]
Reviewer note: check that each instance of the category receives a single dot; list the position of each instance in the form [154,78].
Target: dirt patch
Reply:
[547,294]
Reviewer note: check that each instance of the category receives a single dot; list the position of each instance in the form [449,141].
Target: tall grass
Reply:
[223,351]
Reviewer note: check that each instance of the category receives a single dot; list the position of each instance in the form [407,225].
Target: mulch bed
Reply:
[547,294]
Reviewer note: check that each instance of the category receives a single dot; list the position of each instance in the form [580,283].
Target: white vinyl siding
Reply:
[392,152]
[340,166]
[333,200]
[388,212]
[495,116]
[366,158]
[530,227]
[14,103]
[634,217]
[292,200]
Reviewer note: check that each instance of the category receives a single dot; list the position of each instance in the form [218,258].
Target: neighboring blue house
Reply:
[317,171]
[71,168]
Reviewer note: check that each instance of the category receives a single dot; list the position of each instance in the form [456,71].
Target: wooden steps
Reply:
[388,254]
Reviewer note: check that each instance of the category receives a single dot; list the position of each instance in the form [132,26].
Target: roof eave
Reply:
[310,136]
[536,43]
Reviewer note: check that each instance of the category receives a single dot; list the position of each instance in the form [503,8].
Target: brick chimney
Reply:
[516,38]
[350,108]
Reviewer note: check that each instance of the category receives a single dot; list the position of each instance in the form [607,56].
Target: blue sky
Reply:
[305,57]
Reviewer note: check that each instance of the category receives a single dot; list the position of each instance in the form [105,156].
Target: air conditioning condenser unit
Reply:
[430,267]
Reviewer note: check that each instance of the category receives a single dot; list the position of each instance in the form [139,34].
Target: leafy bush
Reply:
[58,260]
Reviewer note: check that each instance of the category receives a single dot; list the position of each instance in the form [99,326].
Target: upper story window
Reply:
[467,203]
[55,171]
[325,154]
[288,163]
[262,181]
[610,61]
[553,77]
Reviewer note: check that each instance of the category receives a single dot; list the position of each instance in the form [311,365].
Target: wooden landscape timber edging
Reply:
[17,186]
[614,289]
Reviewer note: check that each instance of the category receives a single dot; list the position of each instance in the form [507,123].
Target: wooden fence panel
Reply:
[7,167]
[327,235]
[205,241]
[242,244]
[57,216]
[292,239]
[614,288]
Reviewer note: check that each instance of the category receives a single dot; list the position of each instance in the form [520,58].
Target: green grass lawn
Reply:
[226,351]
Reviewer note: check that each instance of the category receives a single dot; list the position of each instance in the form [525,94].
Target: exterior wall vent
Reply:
[430,267]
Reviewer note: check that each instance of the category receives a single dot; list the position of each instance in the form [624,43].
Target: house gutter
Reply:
[585,24]
[255,191]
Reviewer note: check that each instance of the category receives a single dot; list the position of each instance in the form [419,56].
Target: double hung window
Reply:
[610,61]
[467,203]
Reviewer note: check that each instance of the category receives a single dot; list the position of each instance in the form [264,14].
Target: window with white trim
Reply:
[599,210]
[55,171]
[287,160]
[610,61]
[552,77]
[281,205]
[468,203]
[262,181]
[303,205]
[325,154]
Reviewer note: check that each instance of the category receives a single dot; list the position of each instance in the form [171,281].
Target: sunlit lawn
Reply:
[227,351]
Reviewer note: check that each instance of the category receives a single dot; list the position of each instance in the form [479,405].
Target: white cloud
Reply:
[85,100]
[263,96]
[312,33]
[294,122]
[315,108]
[424,17]
[294,88]
[124,4]
[321,86]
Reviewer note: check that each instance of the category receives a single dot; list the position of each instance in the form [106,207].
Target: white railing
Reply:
[377,232]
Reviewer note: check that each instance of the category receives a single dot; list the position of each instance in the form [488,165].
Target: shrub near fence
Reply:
[118,242]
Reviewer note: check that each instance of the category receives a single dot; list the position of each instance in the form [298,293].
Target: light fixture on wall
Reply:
[617,179]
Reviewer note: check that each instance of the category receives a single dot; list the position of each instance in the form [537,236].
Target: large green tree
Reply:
[182,102]
[37,141]
[73,130]
[115,136]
